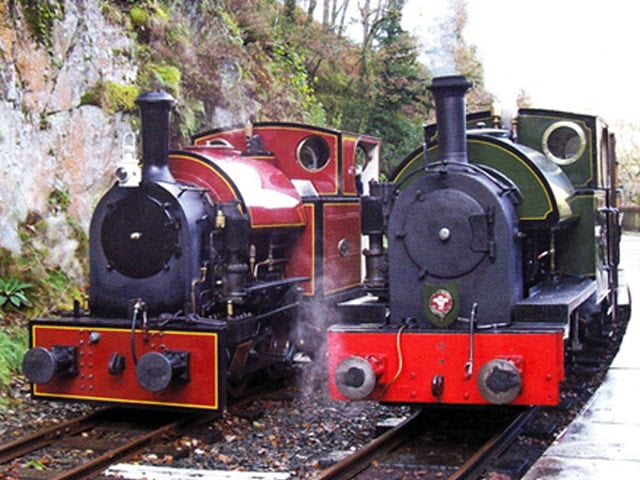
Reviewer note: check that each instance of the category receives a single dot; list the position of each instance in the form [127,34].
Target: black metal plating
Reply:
[155,108]
[449,95]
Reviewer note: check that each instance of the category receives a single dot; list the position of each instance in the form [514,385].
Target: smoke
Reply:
[433,25]
[317,316]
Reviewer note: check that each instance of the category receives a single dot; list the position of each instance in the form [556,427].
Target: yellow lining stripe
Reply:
[213,335]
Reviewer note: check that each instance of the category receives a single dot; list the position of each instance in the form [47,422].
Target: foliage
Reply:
[13,346]
[12,293]
[390,99]
[190,114]
[139,16]
[40,16]
[50,289]
[59,200]
[288,64]
[226,61]
[36,464]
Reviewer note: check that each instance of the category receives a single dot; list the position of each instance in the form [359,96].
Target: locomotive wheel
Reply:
[277,371]
[237,387]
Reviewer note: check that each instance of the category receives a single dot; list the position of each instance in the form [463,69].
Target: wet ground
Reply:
[603,440]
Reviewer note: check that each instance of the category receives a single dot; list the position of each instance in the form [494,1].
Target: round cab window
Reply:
[564,142]
[313,153]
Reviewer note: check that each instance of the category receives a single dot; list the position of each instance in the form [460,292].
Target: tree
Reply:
[390,100]
[628,156]
[524,99]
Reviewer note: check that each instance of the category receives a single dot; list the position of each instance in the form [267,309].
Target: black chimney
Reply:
[448,93]
[154,113]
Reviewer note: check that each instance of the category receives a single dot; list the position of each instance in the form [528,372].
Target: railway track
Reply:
[438,442]
[418,448]
[82,448]
[101,439]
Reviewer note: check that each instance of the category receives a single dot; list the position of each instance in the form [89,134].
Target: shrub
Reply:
[12,293]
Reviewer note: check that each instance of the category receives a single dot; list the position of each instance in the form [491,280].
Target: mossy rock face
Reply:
[162,76]
[51,268]
[112,97]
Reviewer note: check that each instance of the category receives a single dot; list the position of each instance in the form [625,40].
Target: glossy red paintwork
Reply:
[94,382]
[349,146]
[341,226]
[283,141]
[303,253]
[425,355]
[267,194]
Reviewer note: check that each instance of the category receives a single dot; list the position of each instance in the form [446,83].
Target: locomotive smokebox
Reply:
[155,108]
[449,95]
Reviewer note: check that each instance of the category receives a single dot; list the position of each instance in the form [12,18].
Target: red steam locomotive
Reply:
[208,265]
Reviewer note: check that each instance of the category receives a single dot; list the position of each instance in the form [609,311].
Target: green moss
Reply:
[162,76]
[120,97]
[139,16]
[112,97]
[92,97]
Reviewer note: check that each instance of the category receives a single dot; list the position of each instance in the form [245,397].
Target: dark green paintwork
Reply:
[581,251]
[532,125]
[533,176]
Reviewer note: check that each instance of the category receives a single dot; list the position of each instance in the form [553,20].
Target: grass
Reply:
[13,345]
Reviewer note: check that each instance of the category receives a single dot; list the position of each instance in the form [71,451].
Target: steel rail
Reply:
[122,452]
[360,459]
[47,436]
[473,467]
